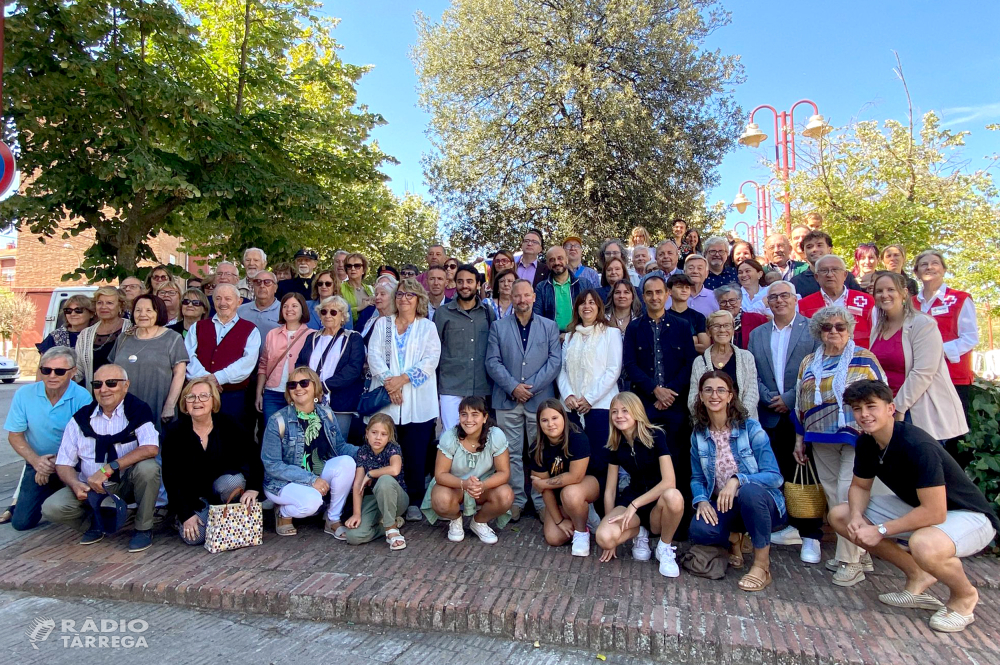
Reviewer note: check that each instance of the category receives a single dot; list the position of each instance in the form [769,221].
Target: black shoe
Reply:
[141,540]
[92,536]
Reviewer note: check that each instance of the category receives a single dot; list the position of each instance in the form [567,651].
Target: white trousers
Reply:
[449,410]
[295,500]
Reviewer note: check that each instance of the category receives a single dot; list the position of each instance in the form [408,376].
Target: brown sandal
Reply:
[283,526]
[751,582]
[736,558]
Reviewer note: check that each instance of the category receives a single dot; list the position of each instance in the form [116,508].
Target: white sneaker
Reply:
[581,543]
[413,514]
[668,561]
[484,532]
[640,545]
[787,536]
[456,531]
[810,551]
[661,547]
[866,562]
[593,521]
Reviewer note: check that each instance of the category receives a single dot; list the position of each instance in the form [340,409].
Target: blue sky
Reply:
[839,54]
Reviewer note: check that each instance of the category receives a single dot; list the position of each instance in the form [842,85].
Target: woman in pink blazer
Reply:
[281,349]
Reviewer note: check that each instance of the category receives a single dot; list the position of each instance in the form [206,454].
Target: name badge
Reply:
[857,311]
[939,310]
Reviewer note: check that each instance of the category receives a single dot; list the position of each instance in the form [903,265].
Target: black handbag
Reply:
[372,401]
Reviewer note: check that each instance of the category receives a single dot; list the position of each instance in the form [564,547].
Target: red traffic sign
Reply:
[8,168]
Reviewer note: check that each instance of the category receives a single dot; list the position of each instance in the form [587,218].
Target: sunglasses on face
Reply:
[451,266]
[112,383]
[160,278]
[73,310]
[329,312]
[301,383]
[264,282]
[353,266]
[60,371]
[408,273]
[191,303]
[830,327]
[200,397]
[324,283]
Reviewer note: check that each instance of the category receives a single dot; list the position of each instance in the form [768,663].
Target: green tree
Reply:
[575,115]
[410,228]
[242,131]
[17,314]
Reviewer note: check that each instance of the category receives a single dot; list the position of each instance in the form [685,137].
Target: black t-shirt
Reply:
[694,317]
[641,463]
[914,460]
[554,461]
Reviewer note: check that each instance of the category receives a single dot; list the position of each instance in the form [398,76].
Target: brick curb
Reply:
[520,589]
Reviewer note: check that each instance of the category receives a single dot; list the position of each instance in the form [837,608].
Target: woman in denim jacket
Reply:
[305,457]
[735,482]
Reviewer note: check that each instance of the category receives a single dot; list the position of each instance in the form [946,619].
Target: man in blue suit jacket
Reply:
[523,357]
[778,348]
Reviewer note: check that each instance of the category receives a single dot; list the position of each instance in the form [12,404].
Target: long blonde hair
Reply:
[643,428]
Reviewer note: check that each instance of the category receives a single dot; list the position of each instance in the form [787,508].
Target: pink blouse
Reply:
[725,463]
[890,356]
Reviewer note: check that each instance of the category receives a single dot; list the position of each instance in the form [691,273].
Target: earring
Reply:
[315,400]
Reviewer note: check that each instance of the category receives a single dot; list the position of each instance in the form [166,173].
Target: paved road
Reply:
[10,463]
[188,636]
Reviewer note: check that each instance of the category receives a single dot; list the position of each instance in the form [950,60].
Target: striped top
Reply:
[819,422]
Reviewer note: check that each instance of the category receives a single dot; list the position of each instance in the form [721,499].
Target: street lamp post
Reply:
[784,143]
[764,211]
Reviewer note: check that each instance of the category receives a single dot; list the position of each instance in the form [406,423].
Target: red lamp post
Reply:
[784,143]
[764,211]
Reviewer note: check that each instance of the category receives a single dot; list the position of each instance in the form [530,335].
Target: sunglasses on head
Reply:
[112,383]
[60,371]
[331,312]
[190,302]
[324,283]
[301,383]
[73,310]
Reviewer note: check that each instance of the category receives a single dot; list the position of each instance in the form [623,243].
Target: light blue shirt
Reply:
[42,422]
[266,319]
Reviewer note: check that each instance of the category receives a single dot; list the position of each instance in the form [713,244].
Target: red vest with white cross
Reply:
[858,303]
[945,311]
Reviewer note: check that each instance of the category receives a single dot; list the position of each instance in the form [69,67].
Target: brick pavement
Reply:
[522,589]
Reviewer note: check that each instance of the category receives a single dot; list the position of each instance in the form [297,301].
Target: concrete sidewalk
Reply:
[523,589]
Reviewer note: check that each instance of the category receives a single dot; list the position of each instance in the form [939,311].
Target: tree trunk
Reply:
[243,59]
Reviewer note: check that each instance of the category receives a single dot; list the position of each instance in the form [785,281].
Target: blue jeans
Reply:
[753,511]
[28,511]
[273,401]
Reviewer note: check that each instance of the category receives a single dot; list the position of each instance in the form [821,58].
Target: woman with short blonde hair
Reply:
[724,356]
[95,342]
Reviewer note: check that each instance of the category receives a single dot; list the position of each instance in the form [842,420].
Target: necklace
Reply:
[884,451]
[719,364]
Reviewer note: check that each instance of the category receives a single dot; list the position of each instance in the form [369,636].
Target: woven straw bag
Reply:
[804,497]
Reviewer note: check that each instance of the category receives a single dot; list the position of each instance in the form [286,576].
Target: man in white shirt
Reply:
[115,445]
[254,260]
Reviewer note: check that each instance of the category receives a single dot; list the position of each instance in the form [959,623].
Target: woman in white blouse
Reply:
[751,276]
[403,355]
[588,379]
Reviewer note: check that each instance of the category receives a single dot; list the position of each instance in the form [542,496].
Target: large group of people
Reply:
[669,391]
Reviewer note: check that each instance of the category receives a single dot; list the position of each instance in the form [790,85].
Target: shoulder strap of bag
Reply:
[388,344]
[281,424]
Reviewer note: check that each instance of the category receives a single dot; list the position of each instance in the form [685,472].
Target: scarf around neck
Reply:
[839,378]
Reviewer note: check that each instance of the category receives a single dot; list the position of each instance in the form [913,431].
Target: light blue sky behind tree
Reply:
[839,54]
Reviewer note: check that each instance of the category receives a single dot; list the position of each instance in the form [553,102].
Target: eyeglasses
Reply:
[208,288]
[721,326]
[192,303]
[408,273]
[190,398]
[531,241]
[708,391]
[572,245]
[73,310]
[330,312]
[227,274]
[829,271]
[830,327]
[405,294]
[112,383]
[354,266]
[729,302]
[165,292]
[60,371]
[131,287]
[160,278]
[451,266]
[264,282]
[774,297]
[301,383]
[325,282]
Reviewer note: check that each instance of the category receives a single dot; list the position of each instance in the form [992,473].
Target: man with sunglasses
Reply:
[35,423]
[114,445]
[831,275]
[264,309]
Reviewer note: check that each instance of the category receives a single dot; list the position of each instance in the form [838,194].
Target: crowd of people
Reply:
[667,392]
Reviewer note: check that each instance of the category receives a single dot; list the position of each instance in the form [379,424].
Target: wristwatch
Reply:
[113,465]
[881,529]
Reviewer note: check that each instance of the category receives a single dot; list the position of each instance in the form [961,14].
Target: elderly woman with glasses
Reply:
[207,458]
[95,342]
[325,285]
[357,294]
[824,420]
[170,294]
[337,355]
[723,356]
[194,308]
[730,299]
[306,458]
[403,356]
[77,313]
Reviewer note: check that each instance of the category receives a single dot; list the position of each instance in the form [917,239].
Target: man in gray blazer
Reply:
[779,347]
[523,357]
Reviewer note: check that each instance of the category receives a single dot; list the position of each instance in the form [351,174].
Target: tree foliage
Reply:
[573,115]
[230,123]
[410,228]
[17,314]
